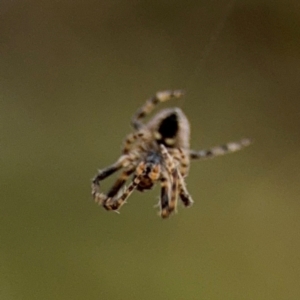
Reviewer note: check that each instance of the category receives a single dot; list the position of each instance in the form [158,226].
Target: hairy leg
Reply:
[183,159]
[116,203]
[123,161]
[173,181]
[119,183]
[135,138]
[143,169]
[129,141]
[183,192]
[150,104]
[164,196]
[220,150]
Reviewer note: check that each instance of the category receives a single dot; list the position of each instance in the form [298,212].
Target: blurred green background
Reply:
[72,73]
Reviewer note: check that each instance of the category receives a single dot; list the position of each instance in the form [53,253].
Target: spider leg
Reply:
[131,138]
[123,161]
[102,199]
[174,190]
[183,159]
[184,162]
[174,182]
[150,104]
[120,182]
[178,176]
[164,196]
[220,150]
[183,192]
[115,203]
[129,141]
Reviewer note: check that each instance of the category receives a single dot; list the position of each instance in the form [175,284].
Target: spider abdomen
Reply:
[171,128]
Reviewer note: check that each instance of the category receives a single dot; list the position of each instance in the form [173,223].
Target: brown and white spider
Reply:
[158,151]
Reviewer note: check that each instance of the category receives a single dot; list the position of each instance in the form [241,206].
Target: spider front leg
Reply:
[183,159]
[143,171]
[178,183]
[183,192]
[172,203]
[123,161]
[164,196]
[150,104]
[115,204]
[171,182]
[120,181]
[220,150]
[184,168]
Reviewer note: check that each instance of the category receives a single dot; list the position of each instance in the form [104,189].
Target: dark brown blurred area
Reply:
[72,73]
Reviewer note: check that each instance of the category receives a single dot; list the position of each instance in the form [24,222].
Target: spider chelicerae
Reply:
[158,151]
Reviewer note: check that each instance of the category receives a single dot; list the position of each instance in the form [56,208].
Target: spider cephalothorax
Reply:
[157,151]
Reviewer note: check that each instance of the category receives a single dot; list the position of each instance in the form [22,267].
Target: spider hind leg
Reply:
[150,104]
[220,150]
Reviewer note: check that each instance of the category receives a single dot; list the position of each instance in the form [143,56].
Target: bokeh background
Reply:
[72,73]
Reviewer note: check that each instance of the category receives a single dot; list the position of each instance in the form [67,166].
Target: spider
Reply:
[157,151]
